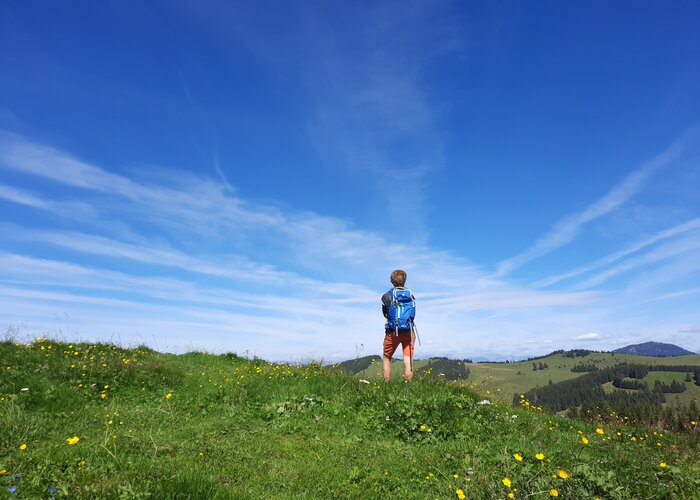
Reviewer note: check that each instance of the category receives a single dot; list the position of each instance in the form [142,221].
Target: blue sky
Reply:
[243,177]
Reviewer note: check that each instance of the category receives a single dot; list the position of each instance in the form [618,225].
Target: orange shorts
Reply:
[391,343]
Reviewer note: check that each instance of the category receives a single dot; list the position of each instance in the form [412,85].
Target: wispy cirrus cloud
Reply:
[303,279]
[203,201]
[23,270]
[672,232]
[366,92]
[684,246]
[23,197]
[566,229]
[34,200]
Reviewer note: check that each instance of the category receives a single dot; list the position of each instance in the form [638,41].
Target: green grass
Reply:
[502,380]
[234,428]
[680,399]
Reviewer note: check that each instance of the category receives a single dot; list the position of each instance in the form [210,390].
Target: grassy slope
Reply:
[232,428]
[374,371]
[501,380]
[494,376]
[683,398]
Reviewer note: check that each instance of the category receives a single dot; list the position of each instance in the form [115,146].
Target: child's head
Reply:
[398,278]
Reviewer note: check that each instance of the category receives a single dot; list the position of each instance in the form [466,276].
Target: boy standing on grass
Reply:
[399,309]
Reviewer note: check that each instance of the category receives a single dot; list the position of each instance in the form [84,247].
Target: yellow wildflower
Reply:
[563,474]
[3,472]
[554,492]
[539,456]
[506,482]
[518,457]
[663,465]
[168,395]
[73,440]
[600,431]
[23,446]
[584,440]
[511,495]
[460,494]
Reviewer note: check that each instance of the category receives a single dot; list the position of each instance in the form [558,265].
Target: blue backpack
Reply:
[402,310]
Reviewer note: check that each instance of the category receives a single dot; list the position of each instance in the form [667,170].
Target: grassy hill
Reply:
[502,380]
[358,365]
[100,421]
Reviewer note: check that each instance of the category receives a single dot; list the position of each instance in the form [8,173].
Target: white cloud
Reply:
[197,203]
[34,200]
[566,229]
[673,250]
[300,284]
[22,197]
[589,337]
[674,231]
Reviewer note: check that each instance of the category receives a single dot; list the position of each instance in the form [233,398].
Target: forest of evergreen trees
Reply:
[622,383]
[673,387]
[584,368]
[663,417]
[577,353]
[583,393]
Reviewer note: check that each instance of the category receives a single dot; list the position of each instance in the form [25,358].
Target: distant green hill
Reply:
[86,421]
[354,366]
[630,396]
[443,368]
[502,380]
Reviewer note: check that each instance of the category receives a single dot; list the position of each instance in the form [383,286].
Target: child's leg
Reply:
[408,361]
[386,368]
[390,345]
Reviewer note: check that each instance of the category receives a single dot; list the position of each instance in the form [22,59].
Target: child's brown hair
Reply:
[398,277]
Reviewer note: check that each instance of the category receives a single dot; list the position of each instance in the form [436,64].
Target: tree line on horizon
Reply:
[580,395]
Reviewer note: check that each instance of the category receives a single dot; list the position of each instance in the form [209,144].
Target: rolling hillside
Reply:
[500,381]
[92,421]
[505,379]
